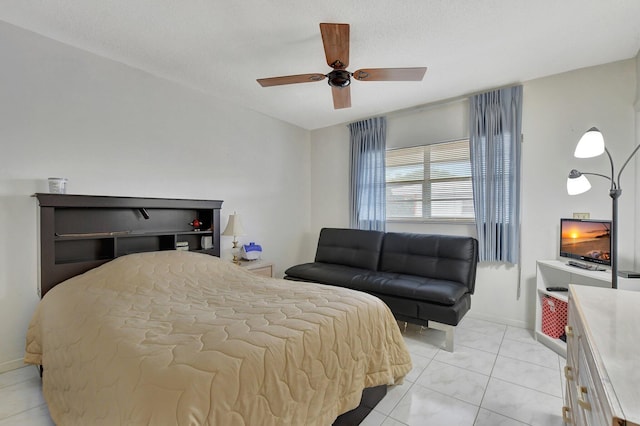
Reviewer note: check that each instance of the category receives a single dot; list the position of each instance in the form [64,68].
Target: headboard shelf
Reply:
[124,234]
[80,232]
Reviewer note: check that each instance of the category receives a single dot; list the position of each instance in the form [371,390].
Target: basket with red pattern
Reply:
[554,316]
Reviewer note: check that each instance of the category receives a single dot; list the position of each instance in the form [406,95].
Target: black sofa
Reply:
[424,279]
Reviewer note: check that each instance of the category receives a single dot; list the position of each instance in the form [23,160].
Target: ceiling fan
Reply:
[335,38]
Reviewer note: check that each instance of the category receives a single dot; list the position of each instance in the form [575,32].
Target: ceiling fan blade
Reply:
[341,97]
[290,79]
[335,38]
[390,74]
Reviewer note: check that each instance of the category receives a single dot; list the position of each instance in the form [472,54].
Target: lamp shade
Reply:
[234,226]
[591,144]
[577,183]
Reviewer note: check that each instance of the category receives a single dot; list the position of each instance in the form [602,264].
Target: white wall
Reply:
[556,111]
[113,130]
[636,175]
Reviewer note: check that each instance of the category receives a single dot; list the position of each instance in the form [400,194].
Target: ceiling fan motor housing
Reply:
[339,78]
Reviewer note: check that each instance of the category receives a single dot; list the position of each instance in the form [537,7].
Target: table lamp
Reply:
[234,229]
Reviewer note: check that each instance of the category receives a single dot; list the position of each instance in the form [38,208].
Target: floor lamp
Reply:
[591,144]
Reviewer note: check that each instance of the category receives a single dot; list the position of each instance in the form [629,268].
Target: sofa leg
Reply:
[402,325]
[448,330]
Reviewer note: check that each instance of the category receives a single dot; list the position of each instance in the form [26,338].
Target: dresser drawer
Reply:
[590,398]
[570,414]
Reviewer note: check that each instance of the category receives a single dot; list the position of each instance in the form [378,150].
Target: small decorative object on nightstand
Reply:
[251,251]
[259,267]
[234,229]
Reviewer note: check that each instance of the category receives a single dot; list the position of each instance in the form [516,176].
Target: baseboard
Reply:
[11,365]
[500,320]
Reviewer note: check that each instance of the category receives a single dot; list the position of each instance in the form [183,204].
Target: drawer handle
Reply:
[565,415]
[582,391]
[568,330]
[567,372]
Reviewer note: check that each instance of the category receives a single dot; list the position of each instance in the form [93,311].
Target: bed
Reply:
[175,337]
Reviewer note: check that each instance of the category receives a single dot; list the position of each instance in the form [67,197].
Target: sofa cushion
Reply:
[440,257]
[413,287]
[324,273]
[350,247]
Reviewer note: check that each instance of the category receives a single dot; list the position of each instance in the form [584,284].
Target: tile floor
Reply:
[497,376]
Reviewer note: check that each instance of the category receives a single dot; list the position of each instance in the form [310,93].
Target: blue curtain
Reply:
[367,207]
[495,137]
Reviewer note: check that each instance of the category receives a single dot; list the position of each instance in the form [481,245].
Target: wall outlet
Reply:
[581,215]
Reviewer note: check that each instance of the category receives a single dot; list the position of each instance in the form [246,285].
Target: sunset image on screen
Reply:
[590,239]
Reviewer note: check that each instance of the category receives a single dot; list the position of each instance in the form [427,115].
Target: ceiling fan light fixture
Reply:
[339,78]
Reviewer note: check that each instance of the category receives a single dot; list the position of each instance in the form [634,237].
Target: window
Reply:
[429,182]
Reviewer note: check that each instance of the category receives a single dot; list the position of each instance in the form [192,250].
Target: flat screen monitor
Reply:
[586,240]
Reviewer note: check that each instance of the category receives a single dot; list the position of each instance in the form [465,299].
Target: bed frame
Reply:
[81,232]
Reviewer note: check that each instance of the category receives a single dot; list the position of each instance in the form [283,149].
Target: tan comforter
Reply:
[184,338]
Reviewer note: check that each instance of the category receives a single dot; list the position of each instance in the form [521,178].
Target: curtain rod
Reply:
[439,103]
[415,108]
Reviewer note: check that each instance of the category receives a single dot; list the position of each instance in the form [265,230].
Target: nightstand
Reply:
[259,267]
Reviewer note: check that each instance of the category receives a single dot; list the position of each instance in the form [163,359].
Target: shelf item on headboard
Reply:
[81,232]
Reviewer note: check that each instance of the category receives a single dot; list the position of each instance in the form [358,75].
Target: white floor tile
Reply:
[454,381]
[477,340]
[519,334]
[38,416]
[533,352]
[428,335]
[489,418]
[18,375]
[419,364]
[523,404]
[20,397]
[481,326]
[375,418]
[418,346]
[393,396]
[543,379]
[422,406]
[392,422]
[563,381]
[468,358]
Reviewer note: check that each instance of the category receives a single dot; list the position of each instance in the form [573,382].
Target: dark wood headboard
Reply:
[81,232]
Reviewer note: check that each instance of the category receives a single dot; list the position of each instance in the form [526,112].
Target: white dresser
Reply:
[603,357]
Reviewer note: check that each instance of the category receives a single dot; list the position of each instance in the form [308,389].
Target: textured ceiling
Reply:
[221,47]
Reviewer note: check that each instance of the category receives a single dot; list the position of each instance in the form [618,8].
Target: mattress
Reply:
[185,338]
